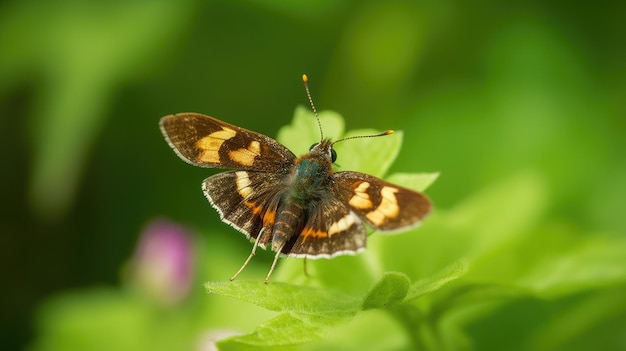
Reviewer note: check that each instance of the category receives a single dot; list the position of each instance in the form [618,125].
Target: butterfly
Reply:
[296,206]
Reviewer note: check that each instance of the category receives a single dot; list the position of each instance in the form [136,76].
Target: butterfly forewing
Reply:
[383,205]
[208,142]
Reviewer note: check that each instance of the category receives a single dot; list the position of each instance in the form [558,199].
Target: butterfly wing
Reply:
[331,229]
[383,205]
[208,142]
[246,200]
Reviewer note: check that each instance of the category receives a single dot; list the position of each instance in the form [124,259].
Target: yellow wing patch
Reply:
[361,199]
[210,145]
[341,225]
[243,184]
[388,207]
[246,156]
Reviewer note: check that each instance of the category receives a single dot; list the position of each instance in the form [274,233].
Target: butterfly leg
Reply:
[256,244]
[273,264]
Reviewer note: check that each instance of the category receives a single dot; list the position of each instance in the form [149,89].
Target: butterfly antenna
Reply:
[387,132]
[305,80]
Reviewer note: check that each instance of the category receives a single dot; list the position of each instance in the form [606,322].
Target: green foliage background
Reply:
[519,106]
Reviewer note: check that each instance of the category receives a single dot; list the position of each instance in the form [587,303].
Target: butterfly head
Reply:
[325,150]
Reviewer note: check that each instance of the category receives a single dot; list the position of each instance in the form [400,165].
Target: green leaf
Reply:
[500,214]
[374,329]
[368,155]
[474,230]
[415,181]
[571,323]
[593,263]
[428,285]
[308,314]
[303,131]
[283,297]
[347,274]
[284,330]
[87,61]
[389,290]
[76,321]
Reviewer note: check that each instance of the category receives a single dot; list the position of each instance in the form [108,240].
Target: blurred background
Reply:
[482,91]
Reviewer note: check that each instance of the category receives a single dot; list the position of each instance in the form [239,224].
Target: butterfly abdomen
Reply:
[290,220]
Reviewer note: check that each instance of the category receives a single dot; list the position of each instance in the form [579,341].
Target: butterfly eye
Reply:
[333,155]
[312,146]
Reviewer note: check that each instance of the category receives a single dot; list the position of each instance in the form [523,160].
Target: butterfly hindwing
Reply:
[331,229]
[247,200]
[208,142]
[383,205]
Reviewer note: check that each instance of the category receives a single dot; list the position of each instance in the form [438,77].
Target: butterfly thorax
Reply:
[311,174]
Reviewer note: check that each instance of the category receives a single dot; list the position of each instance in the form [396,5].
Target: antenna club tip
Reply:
[389,132]
[305,78]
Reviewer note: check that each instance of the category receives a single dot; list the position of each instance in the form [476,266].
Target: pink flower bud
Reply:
[162,266]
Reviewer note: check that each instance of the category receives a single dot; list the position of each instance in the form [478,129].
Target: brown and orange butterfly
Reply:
[298,205]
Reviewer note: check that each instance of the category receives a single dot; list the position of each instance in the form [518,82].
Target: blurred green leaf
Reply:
[593,263]
[568,329]
[389,290]
[287,329]
[83,61]
[374,329]
[437,281]
[77,322]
